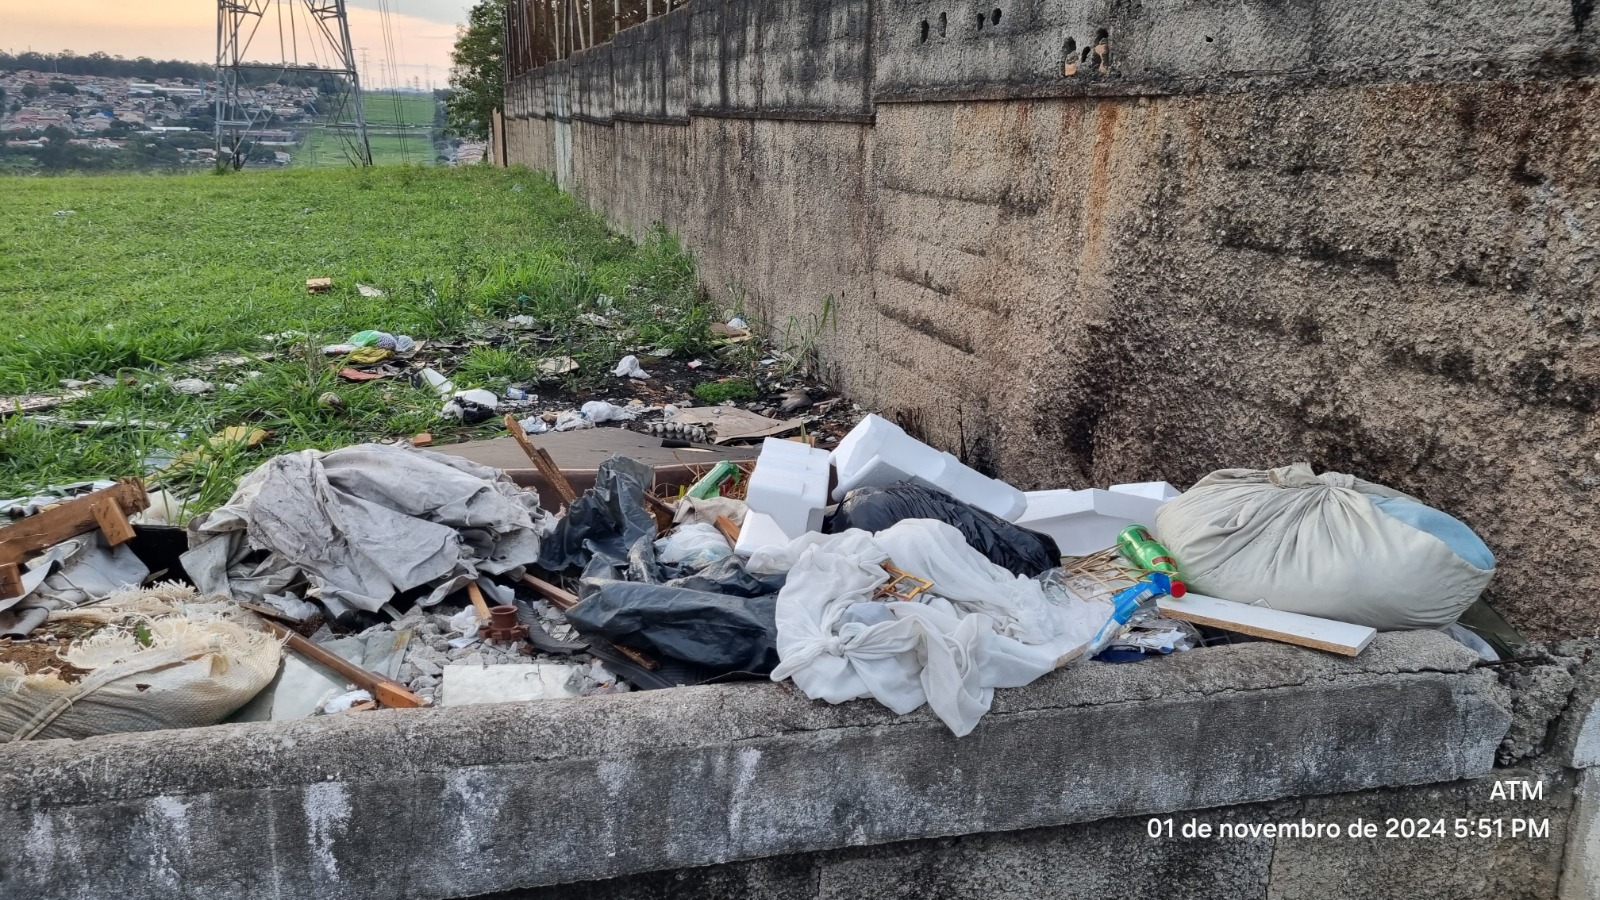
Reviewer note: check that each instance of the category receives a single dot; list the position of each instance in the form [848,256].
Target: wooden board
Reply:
[1273,624]
[386,691]
[113,522]
[542,461]
[70,519]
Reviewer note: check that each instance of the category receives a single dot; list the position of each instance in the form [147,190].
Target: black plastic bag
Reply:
[715,619]
[715,631]
[608,518]
[1024,552]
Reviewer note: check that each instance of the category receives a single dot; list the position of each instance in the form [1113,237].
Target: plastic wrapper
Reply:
[693,545]
[608,518]
[1024,552]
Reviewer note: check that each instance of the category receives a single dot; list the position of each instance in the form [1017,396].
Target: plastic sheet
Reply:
[608,518]
[717,619]
[873,509]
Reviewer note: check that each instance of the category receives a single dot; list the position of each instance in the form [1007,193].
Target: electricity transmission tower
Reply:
[313,38]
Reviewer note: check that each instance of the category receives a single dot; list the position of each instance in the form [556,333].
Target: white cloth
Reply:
[981,627]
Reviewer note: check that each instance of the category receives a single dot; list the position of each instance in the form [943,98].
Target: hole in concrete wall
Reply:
[1208,38]
[924,28]
[1069,58]
[1102,50]
[994,17]
[944,21]
[981,19]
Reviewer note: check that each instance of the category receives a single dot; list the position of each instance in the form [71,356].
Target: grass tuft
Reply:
[157,278]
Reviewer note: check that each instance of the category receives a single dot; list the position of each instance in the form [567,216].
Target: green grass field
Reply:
[151,274]
[402,133]
[388,108]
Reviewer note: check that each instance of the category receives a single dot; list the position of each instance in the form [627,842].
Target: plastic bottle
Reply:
[1138,547]
[1127,602]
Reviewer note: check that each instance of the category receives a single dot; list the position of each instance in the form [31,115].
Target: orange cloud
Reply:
[186,29]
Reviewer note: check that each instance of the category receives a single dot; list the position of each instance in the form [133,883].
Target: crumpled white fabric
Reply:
[981,627]
[362,524]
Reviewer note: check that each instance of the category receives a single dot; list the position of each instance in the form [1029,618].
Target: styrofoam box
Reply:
[789,486]
[1155,490]
[878,453]
[1084,522]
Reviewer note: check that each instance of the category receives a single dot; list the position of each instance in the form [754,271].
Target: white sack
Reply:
[981,626]
[167,658]
[1327,545]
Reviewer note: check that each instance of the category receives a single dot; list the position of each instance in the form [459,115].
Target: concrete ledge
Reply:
[440,803]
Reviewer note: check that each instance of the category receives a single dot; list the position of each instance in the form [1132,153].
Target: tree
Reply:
[64,87]
[477,78]
[30,90]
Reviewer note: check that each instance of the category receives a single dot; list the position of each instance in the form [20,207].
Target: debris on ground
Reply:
[692,514]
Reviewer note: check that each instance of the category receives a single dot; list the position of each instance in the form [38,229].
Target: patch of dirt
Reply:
[39,652]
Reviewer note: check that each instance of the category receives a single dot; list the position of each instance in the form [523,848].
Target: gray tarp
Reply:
[357,526]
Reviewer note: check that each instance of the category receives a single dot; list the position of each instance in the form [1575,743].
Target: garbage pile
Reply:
[390,576]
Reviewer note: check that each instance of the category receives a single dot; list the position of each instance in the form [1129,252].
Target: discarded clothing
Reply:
[978,628]
[362,524]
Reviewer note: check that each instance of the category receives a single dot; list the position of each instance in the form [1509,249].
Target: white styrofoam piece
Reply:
[1155,490]
[1088,521]
[758,531]
[463,685]
[789,486]
[878,453]
[873,473]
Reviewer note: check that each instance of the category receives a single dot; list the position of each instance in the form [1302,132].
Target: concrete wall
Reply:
[1356,232]
[751,790]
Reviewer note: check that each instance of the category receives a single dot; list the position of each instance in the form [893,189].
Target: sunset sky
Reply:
[424,31]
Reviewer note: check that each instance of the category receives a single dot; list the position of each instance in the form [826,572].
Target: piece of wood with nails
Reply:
[68,520]
[386,691]
[107,509]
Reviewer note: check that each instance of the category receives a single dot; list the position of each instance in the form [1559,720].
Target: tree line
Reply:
[104,65]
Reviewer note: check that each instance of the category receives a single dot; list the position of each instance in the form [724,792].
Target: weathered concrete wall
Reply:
[1238,234]
[457,802]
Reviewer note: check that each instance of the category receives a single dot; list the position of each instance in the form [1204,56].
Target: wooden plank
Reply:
[559,598]
[113,523]
[543,462]
[1273,624]
[728,528]
[10,580]
[476,594]
[386,691]
[70,519]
